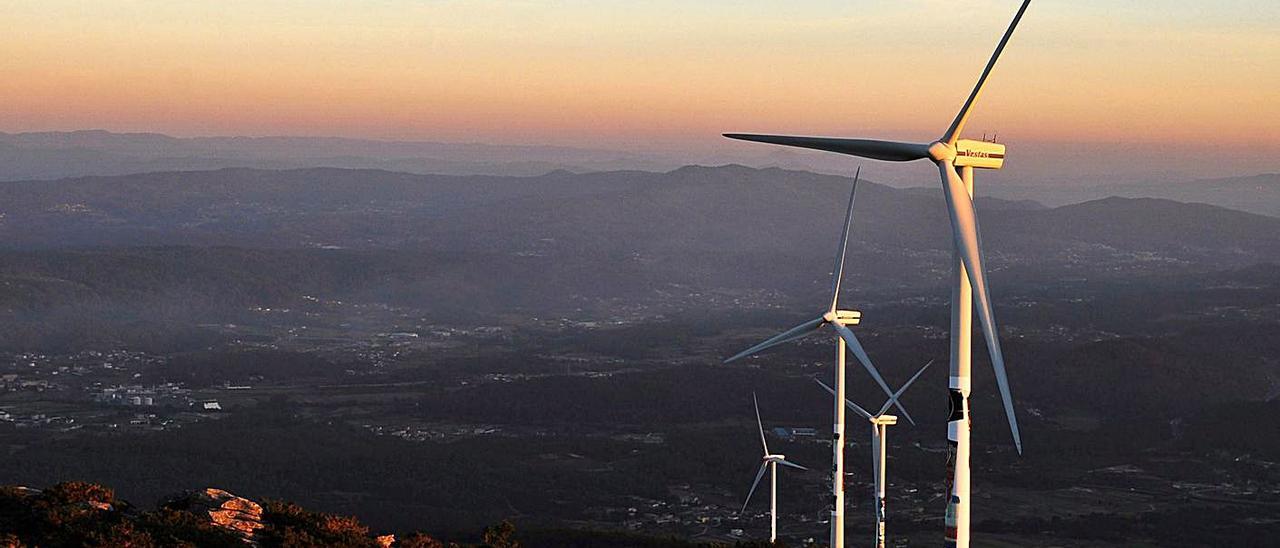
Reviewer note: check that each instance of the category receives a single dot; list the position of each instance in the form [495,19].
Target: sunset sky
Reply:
[613,73]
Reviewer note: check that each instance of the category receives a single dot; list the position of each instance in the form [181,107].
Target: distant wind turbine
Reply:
[880,424]
[770,463]
[949,152]
[838,320]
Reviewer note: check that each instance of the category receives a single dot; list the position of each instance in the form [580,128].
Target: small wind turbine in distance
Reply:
[880,424]
[838,320]
[770,463]
[949,152]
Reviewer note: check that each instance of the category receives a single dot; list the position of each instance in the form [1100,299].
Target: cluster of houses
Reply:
[137,395]
[432,434]
[11,382]
[161,395]
[39,420]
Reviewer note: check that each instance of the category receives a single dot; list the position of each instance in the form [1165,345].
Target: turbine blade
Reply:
[903,388]
[953,133]
[786,336]
[837,273]
[786,462]
[856,347]
[760,424]
[763,466]
[964,225]
[890,151]
[847,403]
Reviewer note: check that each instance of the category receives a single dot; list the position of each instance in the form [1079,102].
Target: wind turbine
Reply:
[880,424]
[769,462]
[949,152]
[838,320]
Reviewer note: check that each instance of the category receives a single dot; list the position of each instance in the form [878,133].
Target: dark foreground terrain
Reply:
[74,514]
[445,353]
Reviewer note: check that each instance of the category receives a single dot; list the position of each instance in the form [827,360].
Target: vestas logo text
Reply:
[978,154]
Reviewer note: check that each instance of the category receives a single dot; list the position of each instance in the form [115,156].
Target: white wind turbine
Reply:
[949,152]
[770,463]
[838,320]
[880,424]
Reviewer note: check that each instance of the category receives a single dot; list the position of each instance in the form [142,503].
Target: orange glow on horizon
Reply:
[619,74]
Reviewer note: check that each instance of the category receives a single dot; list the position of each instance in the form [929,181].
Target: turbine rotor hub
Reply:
[942,152]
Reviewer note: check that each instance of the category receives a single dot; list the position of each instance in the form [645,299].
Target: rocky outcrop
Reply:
[86,514]
[236,514]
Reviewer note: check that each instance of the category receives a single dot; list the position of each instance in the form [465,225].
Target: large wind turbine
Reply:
[770,463]
[880,423]
[838,320]
[950,152]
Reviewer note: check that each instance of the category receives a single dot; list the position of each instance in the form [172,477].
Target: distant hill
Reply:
[54,155]
[1255,194]
[697,236]
[1049,173]
[1150,224]
[678,225]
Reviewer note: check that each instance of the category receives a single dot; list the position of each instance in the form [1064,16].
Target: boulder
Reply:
[223,509]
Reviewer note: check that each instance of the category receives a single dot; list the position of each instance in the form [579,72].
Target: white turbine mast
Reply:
[769,463]
[948,153]
[838,320]
[880,423]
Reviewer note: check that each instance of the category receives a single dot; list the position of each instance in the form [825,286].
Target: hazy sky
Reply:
[614,73]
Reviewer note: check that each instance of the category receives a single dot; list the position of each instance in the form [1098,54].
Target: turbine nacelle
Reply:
[884,420]
[843,317]
[979,154]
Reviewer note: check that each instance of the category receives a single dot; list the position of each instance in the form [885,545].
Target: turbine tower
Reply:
[769,462]
[950,152]
[880,424]
[838,320]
